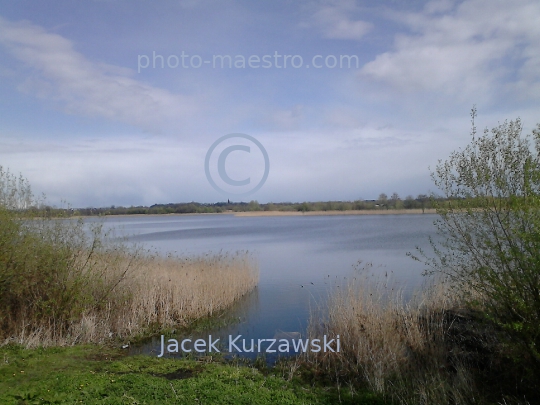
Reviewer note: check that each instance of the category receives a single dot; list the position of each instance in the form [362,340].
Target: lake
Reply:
[300,259]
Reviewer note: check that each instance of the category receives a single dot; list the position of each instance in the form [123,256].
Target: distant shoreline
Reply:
[413,211]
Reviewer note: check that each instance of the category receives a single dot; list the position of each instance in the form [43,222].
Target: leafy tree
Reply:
[409,202]
[383,200]
[490,228]
[254,206]
[304,207]
[423,199]
[395,201]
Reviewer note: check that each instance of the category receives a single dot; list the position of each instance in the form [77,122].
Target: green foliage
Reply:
[254,206]
[490,228]
[422,201]
[304,207]
[52,271]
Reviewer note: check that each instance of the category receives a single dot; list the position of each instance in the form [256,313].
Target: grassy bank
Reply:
[102,375]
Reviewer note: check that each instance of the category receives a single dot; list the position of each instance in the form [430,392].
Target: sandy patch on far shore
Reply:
[351,212]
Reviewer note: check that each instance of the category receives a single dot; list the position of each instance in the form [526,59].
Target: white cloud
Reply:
[334,21]
[484,47]
[80,86]
[115,170]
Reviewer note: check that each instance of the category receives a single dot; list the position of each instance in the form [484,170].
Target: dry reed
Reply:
[398,349]
[137,294]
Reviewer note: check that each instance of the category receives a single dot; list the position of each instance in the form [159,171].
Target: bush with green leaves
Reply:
[490,229]
[52,270]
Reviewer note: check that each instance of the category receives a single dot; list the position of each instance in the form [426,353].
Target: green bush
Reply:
[490,229]
[52,270]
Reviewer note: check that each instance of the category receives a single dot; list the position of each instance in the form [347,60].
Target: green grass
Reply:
[104,375]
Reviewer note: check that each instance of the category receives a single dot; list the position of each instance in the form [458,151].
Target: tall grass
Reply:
[167,292]
[400,349]
[64,283]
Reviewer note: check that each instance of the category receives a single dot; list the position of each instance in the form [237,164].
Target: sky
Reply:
[126,102]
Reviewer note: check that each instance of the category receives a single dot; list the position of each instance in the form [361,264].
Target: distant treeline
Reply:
[383,202]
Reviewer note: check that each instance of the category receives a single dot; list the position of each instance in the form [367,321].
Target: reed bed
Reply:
[62,284]
[128,297]
[402,350]
[175,291]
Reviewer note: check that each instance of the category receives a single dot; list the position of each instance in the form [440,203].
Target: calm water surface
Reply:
[300,258]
